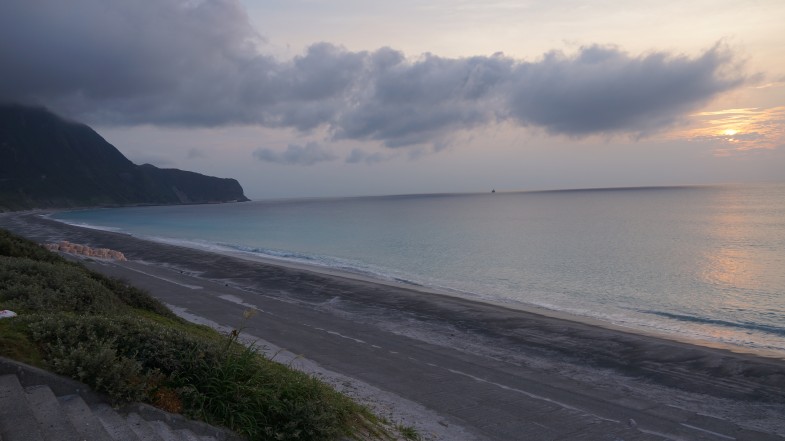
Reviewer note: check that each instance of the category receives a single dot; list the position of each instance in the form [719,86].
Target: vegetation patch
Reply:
[123,342]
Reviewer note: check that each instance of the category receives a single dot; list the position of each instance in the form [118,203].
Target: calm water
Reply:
[701,262]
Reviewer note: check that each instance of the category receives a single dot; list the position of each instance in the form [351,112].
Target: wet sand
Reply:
[473,370]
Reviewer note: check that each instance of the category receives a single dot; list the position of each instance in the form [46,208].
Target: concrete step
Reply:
[164,431]
[186,435]
[142,428]
[17,421]
[36,405]
[169,426]
[50,415]
[115,425]
[86,423]
[167,434]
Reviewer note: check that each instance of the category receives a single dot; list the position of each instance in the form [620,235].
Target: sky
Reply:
[310,98]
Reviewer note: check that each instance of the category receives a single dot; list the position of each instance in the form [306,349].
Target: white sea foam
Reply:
[92,227]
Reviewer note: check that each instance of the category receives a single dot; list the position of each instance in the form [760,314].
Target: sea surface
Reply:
[704,263]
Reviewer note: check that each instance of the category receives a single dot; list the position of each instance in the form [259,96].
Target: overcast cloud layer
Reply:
[200,63]
[309,154]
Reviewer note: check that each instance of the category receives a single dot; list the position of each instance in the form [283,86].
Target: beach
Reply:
[453,367]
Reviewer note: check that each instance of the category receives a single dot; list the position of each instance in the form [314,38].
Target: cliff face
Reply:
[46,161]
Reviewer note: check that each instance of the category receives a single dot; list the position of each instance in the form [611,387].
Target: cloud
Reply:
[402,102]
[309,154]
[738,130]
[602,89]
[357,156]
[194,153]
[201,63]
[150,61]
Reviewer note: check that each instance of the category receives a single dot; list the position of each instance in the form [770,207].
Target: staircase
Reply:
[58,409]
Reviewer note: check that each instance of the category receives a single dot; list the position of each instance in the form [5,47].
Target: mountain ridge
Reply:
[47,161]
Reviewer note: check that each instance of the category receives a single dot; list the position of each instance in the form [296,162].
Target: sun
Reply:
[729,132]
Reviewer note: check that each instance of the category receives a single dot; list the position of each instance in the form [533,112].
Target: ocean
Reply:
[702,263]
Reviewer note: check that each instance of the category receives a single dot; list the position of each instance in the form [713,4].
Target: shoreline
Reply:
[445,295]
[508,352]
[477,299]
[446,292]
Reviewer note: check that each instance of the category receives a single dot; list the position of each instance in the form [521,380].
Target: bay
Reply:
[705,263]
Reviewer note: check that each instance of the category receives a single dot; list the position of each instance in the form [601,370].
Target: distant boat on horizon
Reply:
[493,191]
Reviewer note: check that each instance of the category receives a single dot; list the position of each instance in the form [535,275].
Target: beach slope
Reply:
[467,370]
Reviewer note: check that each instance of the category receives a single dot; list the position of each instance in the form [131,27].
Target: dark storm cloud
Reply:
[309,154]
[200,63]
[602,89]
[401,103]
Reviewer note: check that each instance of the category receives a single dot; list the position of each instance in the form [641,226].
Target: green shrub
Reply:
[119,340]
[220,380]
[133,296]
[155,346]
[98,364]
[12,245]
[263,399]
[44,286]
[61,286]
[16,344]
[74,346]
[63,276]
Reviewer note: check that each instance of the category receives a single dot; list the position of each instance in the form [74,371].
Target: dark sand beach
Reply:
[456,368]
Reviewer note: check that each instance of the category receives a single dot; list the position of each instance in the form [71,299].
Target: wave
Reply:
[718,322]
[309,260]
[86,225]
[314,261]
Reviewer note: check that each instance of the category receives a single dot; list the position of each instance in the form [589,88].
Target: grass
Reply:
[124,343]
[15,343]
[408,432]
